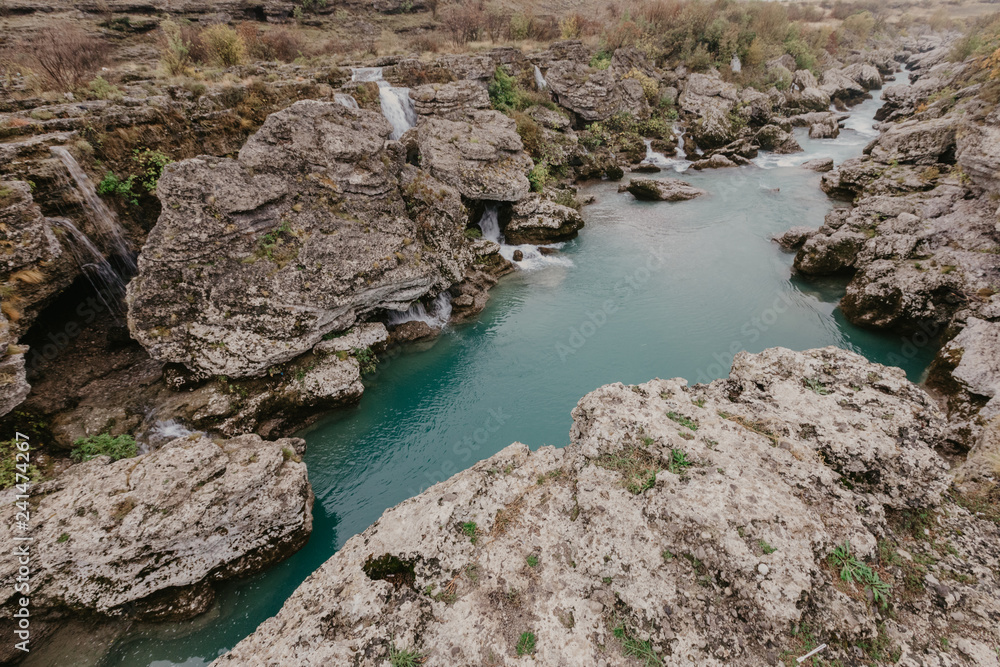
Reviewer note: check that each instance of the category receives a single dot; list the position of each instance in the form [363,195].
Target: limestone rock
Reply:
[454,101]
[538,221]
[709,100]
[773,138]
[922,142]
[821,165]
[717,161]
[978,151]
[794,238]
[253,260]
[482,158]
[146,537]
[14,385]
[653,520]
[594,94]
[661,189]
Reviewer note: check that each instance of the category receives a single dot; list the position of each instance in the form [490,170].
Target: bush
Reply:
[176,54]
[67,56]
[601,60]
[103,90]
[503,91]
[149,164]
[650,87]
[538,176]
[224,46]
[277,44]
[465,23]
[117,447]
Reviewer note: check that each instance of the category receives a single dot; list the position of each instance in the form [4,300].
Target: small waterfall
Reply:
[681,154]
[489,224]
[532,258]
[105,280]
[735,65]
[162,432]
[679,163]
[540,82]
[436,317]
[346,100]
[397,107]
[109,232]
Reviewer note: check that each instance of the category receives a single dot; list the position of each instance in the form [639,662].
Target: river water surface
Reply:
[650,290]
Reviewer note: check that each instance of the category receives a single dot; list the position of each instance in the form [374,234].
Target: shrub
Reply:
[112,185]
[538,176]
[117,447]
[68,56]
[465,23]
[503,94]
[176,54]
[601,60]
[276,44]
[224,46]
[103,90]
[650,87]
[530,133]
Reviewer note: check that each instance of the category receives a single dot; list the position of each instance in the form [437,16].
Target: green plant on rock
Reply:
[538,176]
[404,658]
[503,91]
[637,648]
[117,447]
[853,571]
[683,421]
[679,462]
[601,60]
[526,643]
[112,185]
[367,361]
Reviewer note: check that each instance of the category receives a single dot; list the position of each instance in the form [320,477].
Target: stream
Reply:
[649,289]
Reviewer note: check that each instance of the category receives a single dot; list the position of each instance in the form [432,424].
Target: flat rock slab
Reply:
[661,189]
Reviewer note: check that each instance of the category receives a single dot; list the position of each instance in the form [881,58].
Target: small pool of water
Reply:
[651,290]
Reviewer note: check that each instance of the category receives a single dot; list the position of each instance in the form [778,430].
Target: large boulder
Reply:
[454,101]
[482,157]
[978,151]
[710,101]
[33,266]
[661,189]
[537,221]
[254,260]
[147,537]
[773,138]
[840,86]
[924,142]
[865,75]
[693,524]
[594,94]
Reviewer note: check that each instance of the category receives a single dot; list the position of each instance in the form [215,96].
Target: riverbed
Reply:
[647,290]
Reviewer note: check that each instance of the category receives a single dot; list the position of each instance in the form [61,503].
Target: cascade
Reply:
[437,316]
[540,82]
[109,231]
[105,280]
[397,107]
[532,257]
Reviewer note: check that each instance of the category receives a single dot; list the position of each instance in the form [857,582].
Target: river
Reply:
[649,290]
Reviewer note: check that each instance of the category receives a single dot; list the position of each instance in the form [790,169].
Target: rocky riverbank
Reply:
[708,524]
[294,220]
[921,242]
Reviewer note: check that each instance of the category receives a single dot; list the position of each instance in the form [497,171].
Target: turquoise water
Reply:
[654,290]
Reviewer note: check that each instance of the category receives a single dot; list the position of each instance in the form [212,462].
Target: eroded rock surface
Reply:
[698,519]
[146,537]
[661,189]
[253,260]
[537,221]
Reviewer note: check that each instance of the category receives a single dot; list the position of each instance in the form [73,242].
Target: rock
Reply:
[967,372]
[822,164]
[482,158]
[371,335]
[662,189]
[595,94]
[550,118]
[717,161]
[454,101]
[253,260]
[922,142]
[857,438]
[14,385]
[646,168]
[978,151]
[539,221]
[518,256]
[840,86]
[411,331]
[33,268]
[709,100]
[864,74]
[145,538]
[773,138]
[794,238]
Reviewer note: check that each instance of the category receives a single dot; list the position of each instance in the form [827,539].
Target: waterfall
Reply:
[735,63]
[103,278]
[109,232]
[346,100]
[436,317]
[540,82]
[163,432]
[489,224]
[532,258]
[397,107]
[678,163]
[681,154]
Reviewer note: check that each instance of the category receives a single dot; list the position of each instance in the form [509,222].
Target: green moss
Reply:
[117,447]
